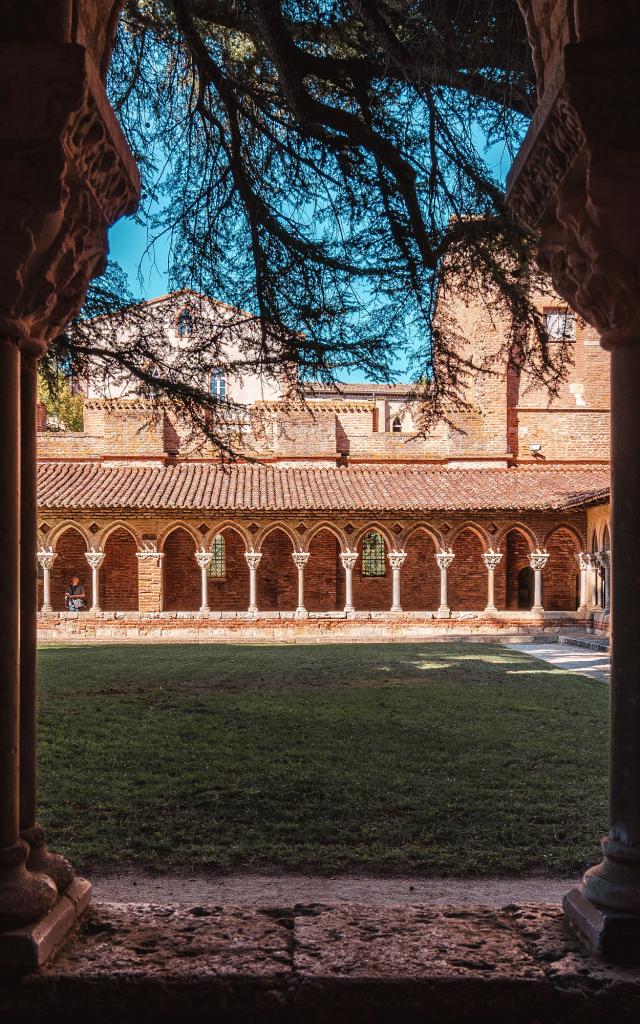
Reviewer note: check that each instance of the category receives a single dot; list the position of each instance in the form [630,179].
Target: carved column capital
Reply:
[253,558]
[584,559]
[95,558]
[444,559]
[46,557]
[492,559]
[203,558]
[348,559]
[397,559]
[575,181]
[67,175]
[538,559]
[602,558]
[300,558]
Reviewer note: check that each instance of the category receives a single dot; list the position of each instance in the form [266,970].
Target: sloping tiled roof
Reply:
[314,389]
[272,488]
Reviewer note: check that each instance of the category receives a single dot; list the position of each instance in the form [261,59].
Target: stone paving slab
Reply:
[595,664]
[323,964]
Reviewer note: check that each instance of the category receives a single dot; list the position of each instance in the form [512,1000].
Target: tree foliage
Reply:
[322,164]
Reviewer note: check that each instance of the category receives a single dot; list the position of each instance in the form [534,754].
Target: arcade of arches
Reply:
[306,568]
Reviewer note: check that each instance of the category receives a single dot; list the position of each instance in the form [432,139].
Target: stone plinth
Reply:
[342,964]
[31,946]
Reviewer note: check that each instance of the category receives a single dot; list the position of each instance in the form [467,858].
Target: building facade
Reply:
[340,516]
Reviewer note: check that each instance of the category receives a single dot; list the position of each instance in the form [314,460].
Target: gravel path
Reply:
[286,890]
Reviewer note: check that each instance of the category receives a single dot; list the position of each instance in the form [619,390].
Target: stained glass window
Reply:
[373,554]
[217,566]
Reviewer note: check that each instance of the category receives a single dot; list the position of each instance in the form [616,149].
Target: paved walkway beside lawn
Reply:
[594,664]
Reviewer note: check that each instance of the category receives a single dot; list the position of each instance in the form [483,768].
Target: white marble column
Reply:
[444,560]
[203,558]
[253,561]
[95,558]
[584,563]
[538,560]
[492,560]
[396,561]
[46,558]
[348,559]
[300,559]
[605,562]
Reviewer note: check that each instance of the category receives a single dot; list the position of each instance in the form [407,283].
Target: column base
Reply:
[395,608]
[204,610]
[46,608]
[443,612]
[24,897]
[94,609]
[43,861]
[252,611]
[609,934]
[32,945]
[301,613]
[537,609]
[491,610]
[349,609]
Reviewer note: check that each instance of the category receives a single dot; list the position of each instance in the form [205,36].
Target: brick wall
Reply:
[371,593]
[231,592]
[516,556]
[70,562]
[119,573]
[420,576]
[277,575]
[467,575]
[559,579]
[181,573]
[149,585]
[324,575]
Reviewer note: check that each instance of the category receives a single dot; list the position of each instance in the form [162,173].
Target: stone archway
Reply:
[119,573]
[277,574]
[181,577]
[70,547]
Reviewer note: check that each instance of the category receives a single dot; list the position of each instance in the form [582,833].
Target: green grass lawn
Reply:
[455,758]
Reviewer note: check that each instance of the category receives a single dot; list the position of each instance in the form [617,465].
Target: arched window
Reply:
[184,325]
[217,566]
[219,385]
[396,426]
[373,554]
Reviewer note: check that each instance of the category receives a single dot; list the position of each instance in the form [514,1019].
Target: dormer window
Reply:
[396,426]
[184,326]
[560,325]
[219,385]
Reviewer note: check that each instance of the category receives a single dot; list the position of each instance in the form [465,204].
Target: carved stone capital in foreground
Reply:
[253,558]
[444,559]
[575,180]
[538,559]
[300,558]
[66,175]
[46,558]
[203,558]
[348,559]
[95,558]
[492,559]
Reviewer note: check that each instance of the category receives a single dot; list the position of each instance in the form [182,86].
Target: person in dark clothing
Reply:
[75,597]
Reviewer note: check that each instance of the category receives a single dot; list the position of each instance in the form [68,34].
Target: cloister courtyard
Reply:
[435,758]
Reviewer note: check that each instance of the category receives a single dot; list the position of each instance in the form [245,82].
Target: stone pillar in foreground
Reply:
[396,561]
[46,558]
[538,560]
[300,559]
[203,558]
[95,558]
[492,560]
[575,182]
[253,561]
[40,857]
[584,563]
[444,560]
[348,559]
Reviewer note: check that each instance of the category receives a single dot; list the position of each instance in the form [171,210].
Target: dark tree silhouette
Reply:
[322,165]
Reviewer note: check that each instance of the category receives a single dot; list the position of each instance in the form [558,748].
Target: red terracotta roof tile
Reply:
[272,488]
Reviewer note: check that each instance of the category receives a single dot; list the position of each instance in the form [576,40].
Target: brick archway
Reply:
[561,586]
[420,587]
[119,573]
[467,578]
[372,593]
[324,574]
[516,548]
[277,574]
[71,561]
[230,592]
[180,572]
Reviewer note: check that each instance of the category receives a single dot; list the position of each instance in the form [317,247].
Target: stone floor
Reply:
[595,664]
[320,963]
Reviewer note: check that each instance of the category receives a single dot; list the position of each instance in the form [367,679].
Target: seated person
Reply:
[75,597]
